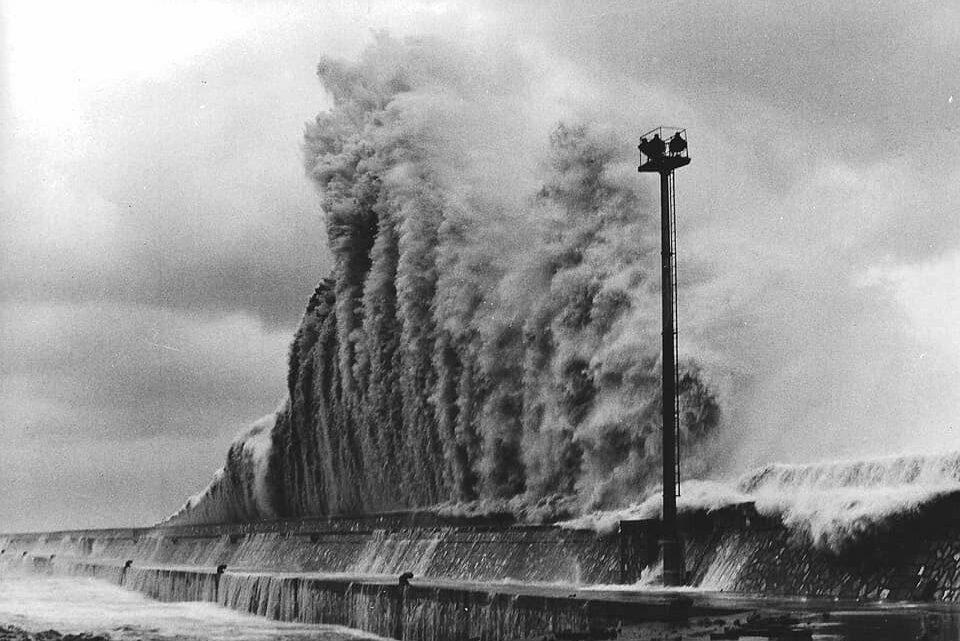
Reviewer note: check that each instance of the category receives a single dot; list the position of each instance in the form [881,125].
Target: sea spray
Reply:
[478,340]
[835,503]
[694,496]
[238,490]
[830,505]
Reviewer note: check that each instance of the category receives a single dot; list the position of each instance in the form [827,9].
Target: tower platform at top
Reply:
[663,149]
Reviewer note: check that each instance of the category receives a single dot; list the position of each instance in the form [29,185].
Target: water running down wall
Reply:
[348,574]
[538,554]
[335,576]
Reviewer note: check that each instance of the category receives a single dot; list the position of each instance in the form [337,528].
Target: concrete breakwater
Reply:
[480,553]
[484,581]
[492,580]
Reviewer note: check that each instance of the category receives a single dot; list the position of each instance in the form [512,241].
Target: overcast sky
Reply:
[158,239]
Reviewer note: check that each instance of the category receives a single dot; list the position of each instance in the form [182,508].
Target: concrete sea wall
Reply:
[532,554]
[492,580]
[484,581]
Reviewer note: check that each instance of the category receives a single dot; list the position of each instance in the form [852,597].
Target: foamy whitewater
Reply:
[77,605]
[830,503]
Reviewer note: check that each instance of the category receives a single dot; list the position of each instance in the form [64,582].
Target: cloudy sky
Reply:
[158,239]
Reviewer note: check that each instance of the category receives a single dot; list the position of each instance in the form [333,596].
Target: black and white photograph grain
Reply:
[479,320]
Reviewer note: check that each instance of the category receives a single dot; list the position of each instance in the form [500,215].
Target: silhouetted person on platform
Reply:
[653,149]
[656,147]
[677,144]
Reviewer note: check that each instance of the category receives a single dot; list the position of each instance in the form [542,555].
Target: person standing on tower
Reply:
[657,148]
[644,147]
[677,144]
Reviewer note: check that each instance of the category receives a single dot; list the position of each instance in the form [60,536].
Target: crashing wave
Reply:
[837,502]
[485,333]
[238,491]
[830,504]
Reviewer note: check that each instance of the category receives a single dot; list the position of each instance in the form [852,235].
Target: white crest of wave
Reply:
[694,496]
[238,490]
[837,502]
[831,504]
[932,471]
[833,518]
[195,499]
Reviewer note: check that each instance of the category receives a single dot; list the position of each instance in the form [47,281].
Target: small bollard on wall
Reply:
[403,582]
[123,572]
[216,581]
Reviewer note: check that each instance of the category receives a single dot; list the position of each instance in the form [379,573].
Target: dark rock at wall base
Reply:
[13,633]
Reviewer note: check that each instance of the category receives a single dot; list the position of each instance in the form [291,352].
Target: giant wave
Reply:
[489,331]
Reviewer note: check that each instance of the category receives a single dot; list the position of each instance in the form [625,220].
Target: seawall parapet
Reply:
[477,576]
[468,582]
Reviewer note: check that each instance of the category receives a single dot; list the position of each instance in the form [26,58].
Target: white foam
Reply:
[77,605]
[695,495]
[837,502]
[832,503]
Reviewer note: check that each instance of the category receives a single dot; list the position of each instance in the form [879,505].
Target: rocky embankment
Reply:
[13,633]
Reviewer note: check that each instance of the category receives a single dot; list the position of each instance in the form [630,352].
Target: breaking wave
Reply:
[488,331]
[238,491]
[830,504]
[488,337]
[838,502]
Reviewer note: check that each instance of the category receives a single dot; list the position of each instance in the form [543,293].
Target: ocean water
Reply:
[74,605]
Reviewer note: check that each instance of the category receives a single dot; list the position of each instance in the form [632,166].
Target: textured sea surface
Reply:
[78,605]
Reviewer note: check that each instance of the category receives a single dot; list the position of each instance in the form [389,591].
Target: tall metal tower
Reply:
[663,150]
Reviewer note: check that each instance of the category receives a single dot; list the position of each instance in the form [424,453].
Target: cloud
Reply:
[102,372]
[185,193]
[158,241]
[88,391]
[881,72]
[56,485]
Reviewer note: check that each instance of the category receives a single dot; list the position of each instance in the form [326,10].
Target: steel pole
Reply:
[669,541]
